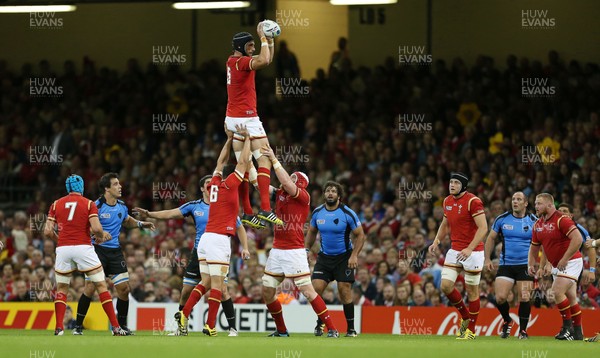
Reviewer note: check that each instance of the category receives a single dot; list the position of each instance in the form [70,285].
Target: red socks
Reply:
[195,296]
[457,301]
[576,314]
[473,313]
[320,309]
[565,309]
[107,305]
[214,301]
[245,196]
[277,313]
[60,306]
[264,182]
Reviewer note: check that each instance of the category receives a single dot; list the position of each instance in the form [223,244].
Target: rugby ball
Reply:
[271,28]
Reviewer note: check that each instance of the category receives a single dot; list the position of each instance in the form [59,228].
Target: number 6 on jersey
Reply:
[214,193]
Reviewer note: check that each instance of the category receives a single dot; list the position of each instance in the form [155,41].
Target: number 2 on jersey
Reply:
[71,205]
[214,193]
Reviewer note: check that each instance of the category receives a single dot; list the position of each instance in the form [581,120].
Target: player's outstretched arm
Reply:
[490,243]
[359,241]
[224,155]
[241,234]
[282,175]
[161,215]
[131,223]
[442,232]
[263,59]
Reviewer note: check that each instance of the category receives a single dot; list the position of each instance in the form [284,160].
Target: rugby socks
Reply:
[214,301]
[229,312]
[473,313]
[195,296]
[349,313]
[277,314]
[576,315]
[245,195]
[107,305]
[82,308]
[565,311]
[60,306]
[504,311]
[457,301]
[264,181]
[122,312]
[524,311]
[322,312]
[181,306]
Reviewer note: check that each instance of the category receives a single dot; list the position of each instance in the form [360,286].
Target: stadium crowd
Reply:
[354,126]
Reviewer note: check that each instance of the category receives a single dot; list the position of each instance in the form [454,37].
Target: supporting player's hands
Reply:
[267,151]
[562,264]
[227,131]
[464,254]
[531,271]
[245,254]
[242,130]
[141,213]
[547,269]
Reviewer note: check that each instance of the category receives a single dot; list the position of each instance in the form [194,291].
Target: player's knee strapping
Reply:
[271,281]
[63,279]
[472,278]
[97,277]
[237,157]
[449,274]
[218,270]
[122,277]
[302,281]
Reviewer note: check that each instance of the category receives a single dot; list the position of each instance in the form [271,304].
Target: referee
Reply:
[338,256]
[513,229]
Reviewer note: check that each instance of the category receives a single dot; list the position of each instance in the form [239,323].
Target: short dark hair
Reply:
[336,185]
[566,205]
[104,182]
[204,179]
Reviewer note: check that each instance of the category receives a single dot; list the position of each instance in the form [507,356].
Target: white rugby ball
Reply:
[271,28]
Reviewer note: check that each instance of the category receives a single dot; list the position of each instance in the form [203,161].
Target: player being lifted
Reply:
[241,109]
[214,248]
[69,222]
[113,214]
[198,210]
[288,258]
[464,218]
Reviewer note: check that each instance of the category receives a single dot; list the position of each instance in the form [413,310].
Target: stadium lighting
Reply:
[211,5]
[37,8]
[362,2]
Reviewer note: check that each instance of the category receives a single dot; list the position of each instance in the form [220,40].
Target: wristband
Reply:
[277,165]
[140,225]
[594,243]
[592,269]
[264,44]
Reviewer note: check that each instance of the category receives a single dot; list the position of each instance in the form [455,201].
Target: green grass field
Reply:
[42,344]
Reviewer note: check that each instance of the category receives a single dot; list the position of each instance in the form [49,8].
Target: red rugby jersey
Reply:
[460,214]
[72,214]
[224,204]
[553,235]
[241,92]
[293,210]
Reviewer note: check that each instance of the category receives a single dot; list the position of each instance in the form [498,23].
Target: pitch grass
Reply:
[42,344]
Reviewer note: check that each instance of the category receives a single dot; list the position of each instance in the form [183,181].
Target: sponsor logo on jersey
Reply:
[507,227]
[229,228]
[320,221]
[448,207]
[199,213]
[105,215]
